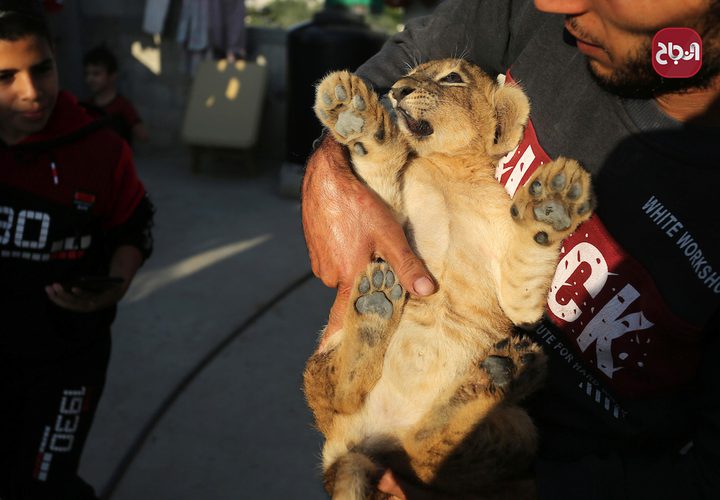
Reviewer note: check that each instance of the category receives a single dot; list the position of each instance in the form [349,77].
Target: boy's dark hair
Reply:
[101,56]
[22,18]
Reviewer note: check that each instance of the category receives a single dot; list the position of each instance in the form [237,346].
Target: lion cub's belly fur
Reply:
[458,230]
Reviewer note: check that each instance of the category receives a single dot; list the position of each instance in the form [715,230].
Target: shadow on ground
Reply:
[225,246]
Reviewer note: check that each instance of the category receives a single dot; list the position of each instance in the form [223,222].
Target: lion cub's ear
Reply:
[512,109]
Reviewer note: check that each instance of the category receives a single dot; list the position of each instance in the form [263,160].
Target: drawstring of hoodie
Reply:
[39,149]
[27,155]
[54,170]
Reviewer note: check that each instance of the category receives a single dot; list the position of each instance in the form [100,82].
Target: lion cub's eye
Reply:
[452,78]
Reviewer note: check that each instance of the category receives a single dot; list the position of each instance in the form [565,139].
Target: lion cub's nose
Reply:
[402,92]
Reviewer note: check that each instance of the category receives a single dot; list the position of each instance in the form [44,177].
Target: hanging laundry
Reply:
[155,15]
[227,28]
[194,27]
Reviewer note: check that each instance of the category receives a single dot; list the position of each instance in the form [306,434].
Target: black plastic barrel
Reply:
[334,39]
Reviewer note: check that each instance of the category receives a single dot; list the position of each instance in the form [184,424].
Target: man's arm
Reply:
[490,33]
[347,225]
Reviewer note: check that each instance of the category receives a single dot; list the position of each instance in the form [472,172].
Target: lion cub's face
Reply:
[449,105]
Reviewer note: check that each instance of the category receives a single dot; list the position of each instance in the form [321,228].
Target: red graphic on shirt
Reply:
[676,52]
[606,304]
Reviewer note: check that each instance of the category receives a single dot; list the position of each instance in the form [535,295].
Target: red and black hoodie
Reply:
[69,196]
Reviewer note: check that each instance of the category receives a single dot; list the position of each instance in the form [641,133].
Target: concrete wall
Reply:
[160,97]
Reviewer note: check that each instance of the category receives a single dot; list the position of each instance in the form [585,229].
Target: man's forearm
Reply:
[329,158]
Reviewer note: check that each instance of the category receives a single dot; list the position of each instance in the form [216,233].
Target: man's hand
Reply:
[403,490]
[400,489]
[347,225]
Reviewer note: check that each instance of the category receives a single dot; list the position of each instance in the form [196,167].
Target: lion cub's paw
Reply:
[350,110]
[377,301]
[554,201]
[516,366]
[378,292]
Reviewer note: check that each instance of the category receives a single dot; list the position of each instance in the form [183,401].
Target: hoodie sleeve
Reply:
[490,33]
[129,219]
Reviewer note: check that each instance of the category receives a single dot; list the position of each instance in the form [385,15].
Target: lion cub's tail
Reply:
[353,476]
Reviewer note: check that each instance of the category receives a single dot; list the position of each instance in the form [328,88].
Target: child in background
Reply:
[101,72]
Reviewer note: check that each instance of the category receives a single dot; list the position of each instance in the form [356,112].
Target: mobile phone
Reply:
[94,284]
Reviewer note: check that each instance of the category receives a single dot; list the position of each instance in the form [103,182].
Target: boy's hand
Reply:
[124,263]
[80,300]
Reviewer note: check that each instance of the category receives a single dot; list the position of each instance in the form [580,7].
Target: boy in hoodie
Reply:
[71,206]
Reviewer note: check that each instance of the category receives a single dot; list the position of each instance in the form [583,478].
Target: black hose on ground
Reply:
[132,452]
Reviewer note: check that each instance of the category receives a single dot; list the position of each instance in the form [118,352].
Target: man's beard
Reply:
[638,79]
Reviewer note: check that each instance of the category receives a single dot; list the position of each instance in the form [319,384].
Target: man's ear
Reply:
[512,109]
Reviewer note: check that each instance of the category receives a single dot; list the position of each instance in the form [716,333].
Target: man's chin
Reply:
[629,88]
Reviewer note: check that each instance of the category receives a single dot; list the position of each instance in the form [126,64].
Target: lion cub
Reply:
[430,386]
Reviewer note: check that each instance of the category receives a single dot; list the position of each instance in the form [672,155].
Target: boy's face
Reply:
[28,87]
[98,78]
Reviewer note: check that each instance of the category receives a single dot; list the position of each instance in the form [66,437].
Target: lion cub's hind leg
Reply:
[551,205]
[377,303]
[338,378]
[461,445]
[516,367]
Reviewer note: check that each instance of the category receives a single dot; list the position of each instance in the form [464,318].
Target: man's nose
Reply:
[569,7]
